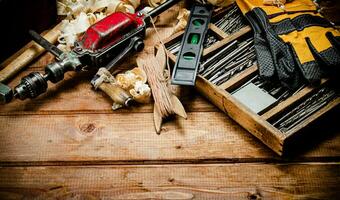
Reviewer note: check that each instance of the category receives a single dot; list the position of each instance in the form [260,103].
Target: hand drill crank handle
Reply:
[45,44]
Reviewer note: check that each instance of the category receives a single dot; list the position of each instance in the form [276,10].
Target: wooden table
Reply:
[69,144]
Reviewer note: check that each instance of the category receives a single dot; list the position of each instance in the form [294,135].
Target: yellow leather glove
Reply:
[293,43]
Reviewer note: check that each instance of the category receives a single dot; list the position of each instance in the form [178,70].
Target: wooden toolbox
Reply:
[265,124]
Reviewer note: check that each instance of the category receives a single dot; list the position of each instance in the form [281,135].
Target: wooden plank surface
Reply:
[69,144]
[122,137]
[213,181]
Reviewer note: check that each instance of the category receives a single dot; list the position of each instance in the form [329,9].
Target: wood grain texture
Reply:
[243,115]
[126,138]
[213,181]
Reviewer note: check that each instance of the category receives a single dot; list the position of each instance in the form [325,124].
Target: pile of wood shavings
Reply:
[135,82]
[81,14]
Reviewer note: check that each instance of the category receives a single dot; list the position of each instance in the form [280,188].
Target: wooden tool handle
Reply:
[117,94]
[28,55]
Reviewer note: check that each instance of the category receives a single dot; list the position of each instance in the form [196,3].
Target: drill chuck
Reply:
[55,71]
[31,86]
[35,83]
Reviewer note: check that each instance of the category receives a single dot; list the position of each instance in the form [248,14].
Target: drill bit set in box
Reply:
[228,76]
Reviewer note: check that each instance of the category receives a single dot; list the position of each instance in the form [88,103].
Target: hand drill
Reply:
[104,44]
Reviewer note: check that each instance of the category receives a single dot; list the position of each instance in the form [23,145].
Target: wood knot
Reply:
[56,188]
[164,129]
[254,196]
[178,146]
[87,128]
[171,180]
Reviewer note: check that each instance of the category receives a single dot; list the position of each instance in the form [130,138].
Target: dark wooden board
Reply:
[213,181]
[124,138]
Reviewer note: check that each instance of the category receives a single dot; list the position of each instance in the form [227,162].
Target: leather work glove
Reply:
[293,43]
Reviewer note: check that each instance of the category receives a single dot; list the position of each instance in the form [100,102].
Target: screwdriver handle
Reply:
[116,93]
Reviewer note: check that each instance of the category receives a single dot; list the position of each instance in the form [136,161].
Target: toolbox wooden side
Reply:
[257,125]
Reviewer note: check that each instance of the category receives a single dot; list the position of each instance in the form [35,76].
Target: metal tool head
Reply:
[6,93]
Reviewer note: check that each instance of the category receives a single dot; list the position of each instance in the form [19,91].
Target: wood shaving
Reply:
[116,106]
[81,14]
[141,92]
[183,17]
[134,81]
[104,76]
[128,79]
[155,3]
[138,90]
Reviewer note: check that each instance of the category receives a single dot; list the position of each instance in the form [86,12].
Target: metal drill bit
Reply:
[305,108]
[218,55]
[226,76]
[228,14]
[318,101]
[232,65]
[232,22]
[243,47]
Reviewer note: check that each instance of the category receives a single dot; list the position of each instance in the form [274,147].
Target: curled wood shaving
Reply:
[155,3]
[138,89]
[141,92]
[128,79]
[183,17]
[134,81]
[81,14]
